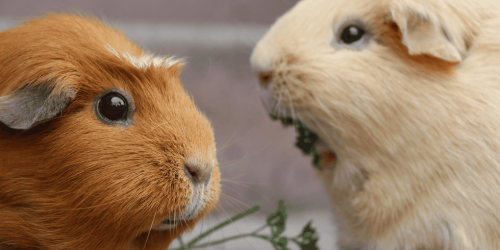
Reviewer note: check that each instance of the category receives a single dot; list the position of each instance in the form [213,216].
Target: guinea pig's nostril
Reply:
[199,169]
[192,172]
[199,174]
[265,78]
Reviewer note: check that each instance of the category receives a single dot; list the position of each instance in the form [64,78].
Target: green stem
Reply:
[181,242]
[231,238]
[223,224]
[259,229]
[264,237]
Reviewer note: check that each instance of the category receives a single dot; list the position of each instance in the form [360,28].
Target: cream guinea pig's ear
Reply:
[423,31]
[33,104]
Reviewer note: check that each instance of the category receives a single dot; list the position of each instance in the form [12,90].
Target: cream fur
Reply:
[414,122]
[147,59]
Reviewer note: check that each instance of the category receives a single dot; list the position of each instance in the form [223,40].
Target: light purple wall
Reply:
[213,11]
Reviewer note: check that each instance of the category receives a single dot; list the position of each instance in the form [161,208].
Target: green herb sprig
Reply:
[306,139]
[276,221]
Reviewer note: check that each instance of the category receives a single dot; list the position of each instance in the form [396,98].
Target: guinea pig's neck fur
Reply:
[436,126]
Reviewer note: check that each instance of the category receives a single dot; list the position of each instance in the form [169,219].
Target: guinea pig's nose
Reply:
[265,78]
[198,173]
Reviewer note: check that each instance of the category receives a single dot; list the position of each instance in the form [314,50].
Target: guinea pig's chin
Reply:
[191,213]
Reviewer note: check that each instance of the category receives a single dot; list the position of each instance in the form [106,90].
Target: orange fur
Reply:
[73,182]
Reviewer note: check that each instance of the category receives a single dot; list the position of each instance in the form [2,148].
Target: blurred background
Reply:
[259,162]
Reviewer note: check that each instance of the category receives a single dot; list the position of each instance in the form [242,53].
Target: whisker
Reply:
[220,149]
[229,218]
[223,212]
[278,107]
[324,108]
[239,232]
[246,186]
[182,220]
[238,209]
[291,104]
[241,182]
[224,165]
[233,206]
[160,125]
[150,228]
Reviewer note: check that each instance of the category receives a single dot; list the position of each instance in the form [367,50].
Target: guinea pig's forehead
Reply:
[206,154]
[359,10]
[321,15]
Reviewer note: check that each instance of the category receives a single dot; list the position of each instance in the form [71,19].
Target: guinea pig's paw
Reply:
[425,32]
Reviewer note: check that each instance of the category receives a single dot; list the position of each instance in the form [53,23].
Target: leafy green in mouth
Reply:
[306,139]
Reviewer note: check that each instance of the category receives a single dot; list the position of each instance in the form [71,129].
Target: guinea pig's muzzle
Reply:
[307,140]
[172,222]
[196,205]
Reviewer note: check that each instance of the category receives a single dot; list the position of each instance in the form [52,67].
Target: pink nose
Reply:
[198,175]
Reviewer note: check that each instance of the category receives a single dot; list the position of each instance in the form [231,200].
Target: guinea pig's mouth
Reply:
[191,213]
[309,142]
[168,223]
[172,222]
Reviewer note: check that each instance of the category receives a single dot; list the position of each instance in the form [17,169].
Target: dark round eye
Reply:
[352,34]
[113,106]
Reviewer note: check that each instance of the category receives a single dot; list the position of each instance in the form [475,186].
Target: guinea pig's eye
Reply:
[351,34]
[113,106]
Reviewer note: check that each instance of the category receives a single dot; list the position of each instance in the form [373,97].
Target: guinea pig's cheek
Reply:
[273,103]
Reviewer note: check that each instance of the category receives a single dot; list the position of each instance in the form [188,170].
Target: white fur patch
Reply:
[147,59]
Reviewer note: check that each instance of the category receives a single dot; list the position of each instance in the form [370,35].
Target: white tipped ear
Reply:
[423,31]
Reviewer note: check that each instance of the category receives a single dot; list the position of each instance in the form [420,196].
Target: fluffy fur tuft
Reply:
[412,114]
[69,181]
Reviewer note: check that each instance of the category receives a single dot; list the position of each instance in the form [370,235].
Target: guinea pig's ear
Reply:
[423,32]
[33,104]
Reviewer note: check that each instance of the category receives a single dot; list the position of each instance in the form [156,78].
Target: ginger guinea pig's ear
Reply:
[33,104]
[424,32]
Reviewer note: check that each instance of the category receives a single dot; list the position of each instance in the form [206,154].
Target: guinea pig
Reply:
[405,98]
[100,145]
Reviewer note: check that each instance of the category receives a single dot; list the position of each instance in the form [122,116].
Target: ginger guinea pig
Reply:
[100,146]
[405,98]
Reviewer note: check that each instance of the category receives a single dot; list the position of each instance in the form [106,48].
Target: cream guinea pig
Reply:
[100,146]
[405,98]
